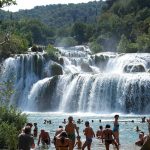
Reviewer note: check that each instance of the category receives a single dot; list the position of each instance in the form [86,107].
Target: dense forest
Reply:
[111,25]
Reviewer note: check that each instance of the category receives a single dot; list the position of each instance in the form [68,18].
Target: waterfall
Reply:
[101,83]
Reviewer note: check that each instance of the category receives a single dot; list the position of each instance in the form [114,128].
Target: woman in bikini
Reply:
[116,128]
[109,137]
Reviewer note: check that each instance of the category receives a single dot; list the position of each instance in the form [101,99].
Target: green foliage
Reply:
[11,123]
[143,42]
[11,120]
[34,48]
[99,22]
[66,42]
[14,45]
[5,92]
[4,3]
[78,32]
[51,51]
[123,44]
[95,47]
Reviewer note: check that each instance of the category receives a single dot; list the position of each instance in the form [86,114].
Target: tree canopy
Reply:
[4,3]
[111,25]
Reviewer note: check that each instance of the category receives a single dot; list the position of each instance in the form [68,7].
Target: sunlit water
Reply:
[128,134]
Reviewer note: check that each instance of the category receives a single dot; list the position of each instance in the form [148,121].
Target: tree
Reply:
[123,44]
[78,32]
[4,3]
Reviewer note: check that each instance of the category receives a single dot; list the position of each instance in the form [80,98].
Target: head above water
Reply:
[63,134]
[116,116]
[35,124]
[107,126]
[70,118]
[60,126]
[42,130]
[87,123]
[27,130]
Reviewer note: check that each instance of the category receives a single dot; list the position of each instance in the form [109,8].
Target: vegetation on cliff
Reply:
[111,25]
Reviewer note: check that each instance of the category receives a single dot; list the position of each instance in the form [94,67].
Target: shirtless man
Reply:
[70,129]
[89,134]
[44,138]
[141,140]
[109,137]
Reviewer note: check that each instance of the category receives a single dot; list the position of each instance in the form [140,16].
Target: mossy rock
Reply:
[101,59]
[56,70]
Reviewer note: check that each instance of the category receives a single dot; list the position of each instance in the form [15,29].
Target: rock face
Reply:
[56,69]
[85,67]
[134,68]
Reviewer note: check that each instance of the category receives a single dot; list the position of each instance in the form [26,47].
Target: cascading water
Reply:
[101,83]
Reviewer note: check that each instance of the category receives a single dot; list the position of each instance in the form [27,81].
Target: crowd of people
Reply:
[69,137]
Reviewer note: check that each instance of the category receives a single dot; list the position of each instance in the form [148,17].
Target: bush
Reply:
[15,44]
[95,47]
[8,138]
[11,123]
[11,120]
[52,52]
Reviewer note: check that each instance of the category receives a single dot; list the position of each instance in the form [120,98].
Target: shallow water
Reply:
[128,135]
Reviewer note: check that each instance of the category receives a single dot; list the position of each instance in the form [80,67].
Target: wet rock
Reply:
[85,67]
[134,68]
[56,70]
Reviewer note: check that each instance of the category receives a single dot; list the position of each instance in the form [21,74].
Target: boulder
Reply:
[134,68]
[85,67]
[56,69]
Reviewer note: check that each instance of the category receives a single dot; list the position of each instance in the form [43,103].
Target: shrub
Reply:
[95,47]
[11,123]
[52,52]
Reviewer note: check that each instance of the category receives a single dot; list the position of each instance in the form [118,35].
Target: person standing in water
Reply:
[35,130]
[70,129]
[109,137]
[89,134]
[99,132]
[116,128]
[62,141]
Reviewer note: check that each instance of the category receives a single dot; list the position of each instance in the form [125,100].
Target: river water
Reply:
[128,134]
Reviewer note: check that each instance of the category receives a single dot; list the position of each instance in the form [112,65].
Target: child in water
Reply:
[78,143]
